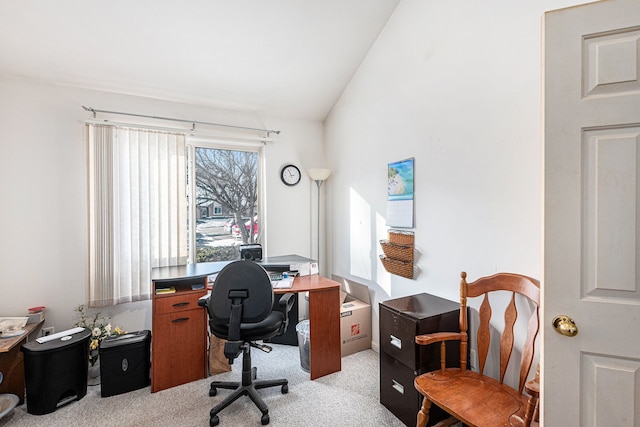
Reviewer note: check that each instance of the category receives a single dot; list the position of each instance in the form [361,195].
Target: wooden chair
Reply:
[471,397]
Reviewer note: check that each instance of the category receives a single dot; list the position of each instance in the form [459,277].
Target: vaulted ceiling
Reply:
[283,57]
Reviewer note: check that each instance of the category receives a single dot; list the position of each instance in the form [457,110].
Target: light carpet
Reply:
[350,397]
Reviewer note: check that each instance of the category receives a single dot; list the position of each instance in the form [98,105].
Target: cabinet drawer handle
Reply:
[181,304]
[396,342]
[398,387]
[180,319]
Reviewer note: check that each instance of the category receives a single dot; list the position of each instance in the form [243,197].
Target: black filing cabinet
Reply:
[401,359]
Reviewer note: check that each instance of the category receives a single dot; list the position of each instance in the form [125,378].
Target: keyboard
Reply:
[275,275]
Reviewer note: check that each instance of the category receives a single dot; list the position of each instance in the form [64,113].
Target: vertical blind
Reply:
[137,210]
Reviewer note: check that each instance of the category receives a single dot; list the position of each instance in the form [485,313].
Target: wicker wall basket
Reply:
[400,237]
[396,251]
[400,268]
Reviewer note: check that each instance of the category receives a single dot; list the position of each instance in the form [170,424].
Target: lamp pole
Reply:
[319,184]
[319,176]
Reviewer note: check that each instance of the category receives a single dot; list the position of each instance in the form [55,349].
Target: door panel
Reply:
[611,383]
[591,214]
[611,63]
[610,214]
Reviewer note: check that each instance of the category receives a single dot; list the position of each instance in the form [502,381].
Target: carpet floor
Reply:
[350,397]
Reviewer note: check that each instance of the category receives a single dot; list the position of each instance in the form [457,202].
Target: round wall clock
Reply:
[290,175]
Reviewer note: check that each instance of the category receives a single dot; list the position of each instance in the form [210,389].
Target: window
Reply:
[156,201]
[226,188]
[137,210]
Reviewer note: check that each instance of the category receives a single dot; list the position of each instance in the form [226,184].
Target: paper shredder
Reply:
[125,361]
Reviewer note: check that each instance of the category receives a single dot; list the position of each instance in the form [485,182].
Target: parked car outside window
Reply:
[235,230]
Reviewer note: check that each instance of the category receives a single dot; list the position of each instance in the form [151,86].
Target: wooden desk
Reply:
[12,361]
[179,343]
[324,322]
[324,315]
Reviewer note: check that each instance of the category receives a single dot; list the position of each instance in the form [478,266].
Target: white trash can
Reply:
[302,329]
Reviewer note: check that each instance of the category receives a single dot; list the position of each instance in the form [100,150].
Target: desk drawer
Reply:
[177,302]
[399,395]
[397,392]
[398,332]
[179,348]
[397,337]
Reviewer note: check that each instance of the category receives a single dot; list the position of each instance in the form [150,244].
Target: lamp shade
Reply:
[319,174]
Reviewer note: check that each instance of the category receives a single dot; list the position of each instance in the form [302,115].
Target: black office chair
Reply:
[240,311]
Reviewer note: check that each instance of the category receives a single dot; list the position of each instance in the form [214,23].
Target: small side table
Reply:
[12,361]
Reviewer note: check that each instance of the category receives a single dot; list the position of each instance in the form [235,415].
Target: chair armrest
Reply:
[286,302]
[533,387]
[438,337]
[203,301]
[442,338]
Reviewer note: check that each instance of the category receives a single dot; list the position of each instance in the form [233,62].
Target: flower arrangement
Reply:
[100,329]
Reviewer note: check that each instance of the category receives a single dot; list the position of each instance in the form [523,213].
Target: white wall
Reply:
[457,86]
[43,192]
[290,211]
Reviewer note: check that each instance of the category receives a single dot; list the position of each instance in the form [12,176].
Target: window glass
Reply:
[223,202]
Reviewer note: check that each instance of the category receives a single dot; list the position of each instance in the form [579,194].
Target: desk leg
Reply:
[324,334]
[12,368]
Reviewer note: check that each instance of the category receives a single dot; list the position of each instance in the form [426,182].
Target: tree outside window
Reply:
[226,202]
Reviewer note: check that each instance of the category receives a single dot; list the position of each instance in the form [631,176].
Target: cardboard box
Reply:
[355,316]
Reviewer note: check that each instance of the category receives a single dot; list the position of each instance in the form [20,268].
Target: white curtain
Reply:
[137,210]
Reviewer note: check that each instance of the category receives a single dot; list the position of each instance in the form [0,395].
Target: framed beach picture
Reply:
[400,193]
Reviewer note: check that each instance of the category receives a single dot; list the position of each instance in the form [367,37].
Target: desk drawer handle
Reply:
[397,386]
[180,304]
[396,342]
[180,319]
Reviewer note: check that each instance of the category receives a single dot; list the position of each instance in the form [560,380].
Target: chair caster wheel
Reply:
[214,421]
[265,419]
[213,391]
[285,389]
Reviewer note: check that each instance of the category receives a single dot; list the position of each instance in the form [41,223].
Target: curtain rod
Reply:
[193,122]
[249,140]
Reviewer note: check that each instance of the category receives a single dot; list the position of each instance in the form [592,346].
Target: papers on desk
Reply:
[284,283]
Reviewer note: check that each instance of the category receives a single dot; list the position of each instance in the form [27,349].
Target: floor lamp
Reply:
[319,176]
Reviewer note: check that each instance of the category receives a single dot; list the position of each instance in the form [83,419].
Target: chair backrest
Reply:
[515,284]
[241,278]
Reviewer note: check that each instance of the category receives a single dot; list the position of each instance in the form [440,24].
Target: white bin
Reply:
[302,329]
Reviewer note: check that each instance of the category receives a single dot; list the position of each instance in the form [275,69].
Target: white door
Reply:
[591,215]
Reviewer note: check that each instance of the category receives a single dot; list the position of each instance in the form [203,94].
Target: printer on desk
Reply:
[295,263]
[304,266]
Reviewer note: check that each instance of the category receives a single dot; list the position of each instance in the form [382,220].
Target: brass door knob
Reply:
[565,325]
